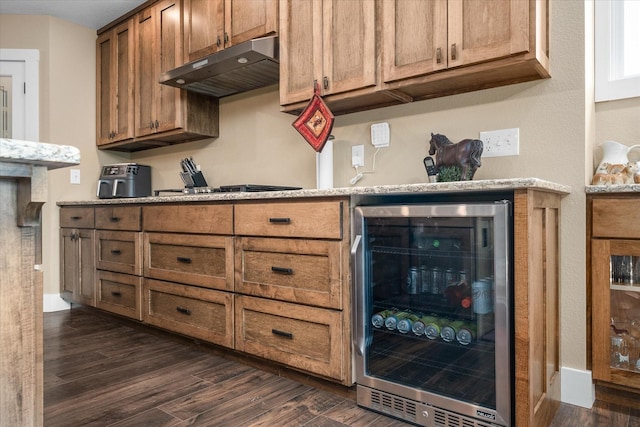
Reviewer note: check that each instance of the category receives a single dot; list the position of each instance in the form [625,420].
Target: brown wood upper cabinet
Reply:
[115,67]
[427,49]
[332,42]
[213,25]
[156,115]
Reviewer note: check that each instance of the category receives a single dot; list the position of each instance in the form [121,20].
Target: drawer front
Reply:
[119,251]
[120,294]
[77,218]
[192,259]
[322,220]
[616,218]
[302,337]
[201,219]
[119,218]
[301,271]
[200,313]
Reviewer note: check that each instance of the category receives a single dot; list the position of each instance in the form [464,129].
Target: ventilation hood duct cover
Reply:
[240,68]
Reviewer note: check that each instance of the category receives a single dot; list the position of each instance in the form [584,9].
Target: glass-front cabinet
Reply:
[615,282]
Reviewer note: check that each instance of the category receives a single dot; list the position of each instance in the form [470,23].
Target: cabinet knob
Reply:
[454,53]
[157,125]
[218,41]
[325,82]
[438,55]
[183,310]
[151,125]
[226,38]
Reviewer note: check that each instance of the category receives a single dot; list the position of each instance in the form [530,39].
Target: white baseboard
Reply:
[577,387]
[53,302]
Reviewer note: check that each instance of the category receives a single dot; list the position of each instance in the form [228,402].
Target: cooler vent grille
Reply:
[393,405]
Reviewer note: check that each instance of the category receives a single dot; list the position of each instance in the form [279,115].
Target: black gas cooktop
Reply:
[227,189]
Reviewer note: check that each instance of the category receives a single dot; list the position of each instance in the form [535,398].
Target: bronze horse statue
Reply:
[465,154]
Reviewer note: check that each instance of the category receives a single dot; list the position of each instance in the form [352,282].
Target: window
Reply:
[617,44]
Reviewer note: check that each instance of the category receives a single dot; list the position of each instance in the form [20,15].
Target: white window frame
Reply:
[608,33]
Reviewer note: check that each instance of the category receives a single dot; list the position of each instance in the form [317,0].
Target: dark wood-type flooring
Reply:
[102,370]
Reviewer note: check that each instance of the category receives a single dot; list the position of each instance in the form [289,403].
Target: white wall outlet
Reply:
[380,134]
[74,176]
[357,155]
[504,142]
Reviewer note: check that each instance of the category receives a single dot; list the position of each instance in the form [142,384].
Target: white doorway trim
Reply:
[31,59]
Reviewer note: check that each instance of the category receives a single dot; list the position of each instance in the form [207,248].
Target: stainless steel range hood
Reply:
[240,68]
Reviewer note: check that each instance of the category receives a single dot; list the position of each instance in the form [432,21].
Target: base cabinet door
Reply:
[302,337]
[200,313]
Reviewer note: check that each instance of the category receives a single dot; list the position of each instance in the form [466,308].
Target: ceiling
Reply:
[88,13]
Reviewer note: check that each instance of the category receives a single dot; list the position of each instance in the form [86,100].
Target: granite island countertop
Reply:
[38,153]
[378,190]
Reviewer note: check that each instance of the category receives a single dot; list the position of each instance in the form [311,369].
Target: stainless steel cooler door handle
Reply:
[358,310]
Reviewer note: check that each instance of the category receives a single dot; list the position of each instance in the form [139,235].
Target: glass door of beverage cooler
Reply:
[433,306]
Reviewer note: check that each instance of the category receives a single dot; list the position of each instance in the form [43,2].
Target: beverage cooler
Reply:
[433,312]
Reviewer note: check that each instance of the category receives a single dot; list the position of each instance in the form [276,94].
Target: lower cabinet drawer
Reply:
[294,270]
[199,260]
[120,294]
[119,251]
[196,312]
[302,337]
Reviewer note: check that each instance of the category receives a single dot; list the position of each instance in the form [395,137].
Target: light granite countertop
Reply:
[379,190]
[606,189]
[38,153]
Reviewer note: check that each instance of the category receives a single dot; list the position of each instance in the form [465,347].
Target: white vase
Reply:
[324,166]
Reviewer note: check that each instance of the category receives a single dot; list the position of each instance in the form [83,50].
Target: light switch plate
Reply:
[74,176]
[357,155]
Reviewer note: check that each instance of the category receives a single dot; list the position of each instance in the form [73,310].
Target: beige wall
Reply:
[556,117]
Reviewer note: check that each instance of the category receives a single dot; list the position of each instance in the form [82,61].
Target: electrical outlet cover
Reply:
[357,155]
[504,142]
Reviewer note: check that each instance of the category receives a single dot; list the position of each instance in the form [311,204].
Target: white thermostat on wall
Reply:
[380,134]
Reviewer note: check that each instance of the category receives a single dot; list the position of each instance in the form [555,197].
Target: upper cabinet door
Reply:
[115,65]
[203,28]
[348,45]
[158,107]
[168,56]
[414,38]
[484,30]
[145,113]
[300,49]
[250,19]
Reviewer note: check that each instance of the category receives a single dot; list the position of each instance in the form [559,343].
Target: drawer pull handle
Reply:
[116,251]
[282,334]
[282,270]
[116,294]
[184,259]
[183,310]
[115,219]
[75,218]
[280,220]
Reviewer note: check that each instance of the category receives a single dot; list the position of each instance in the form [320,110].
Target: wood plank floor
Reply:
[102,370]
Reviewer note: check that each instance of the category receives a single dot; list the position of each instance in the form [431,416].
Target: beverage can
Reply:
[431,327]
[424,280]
[418,327]
[391,322]
[435,280]
[466,334]
[405,325]
[482,296]
[413,281]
